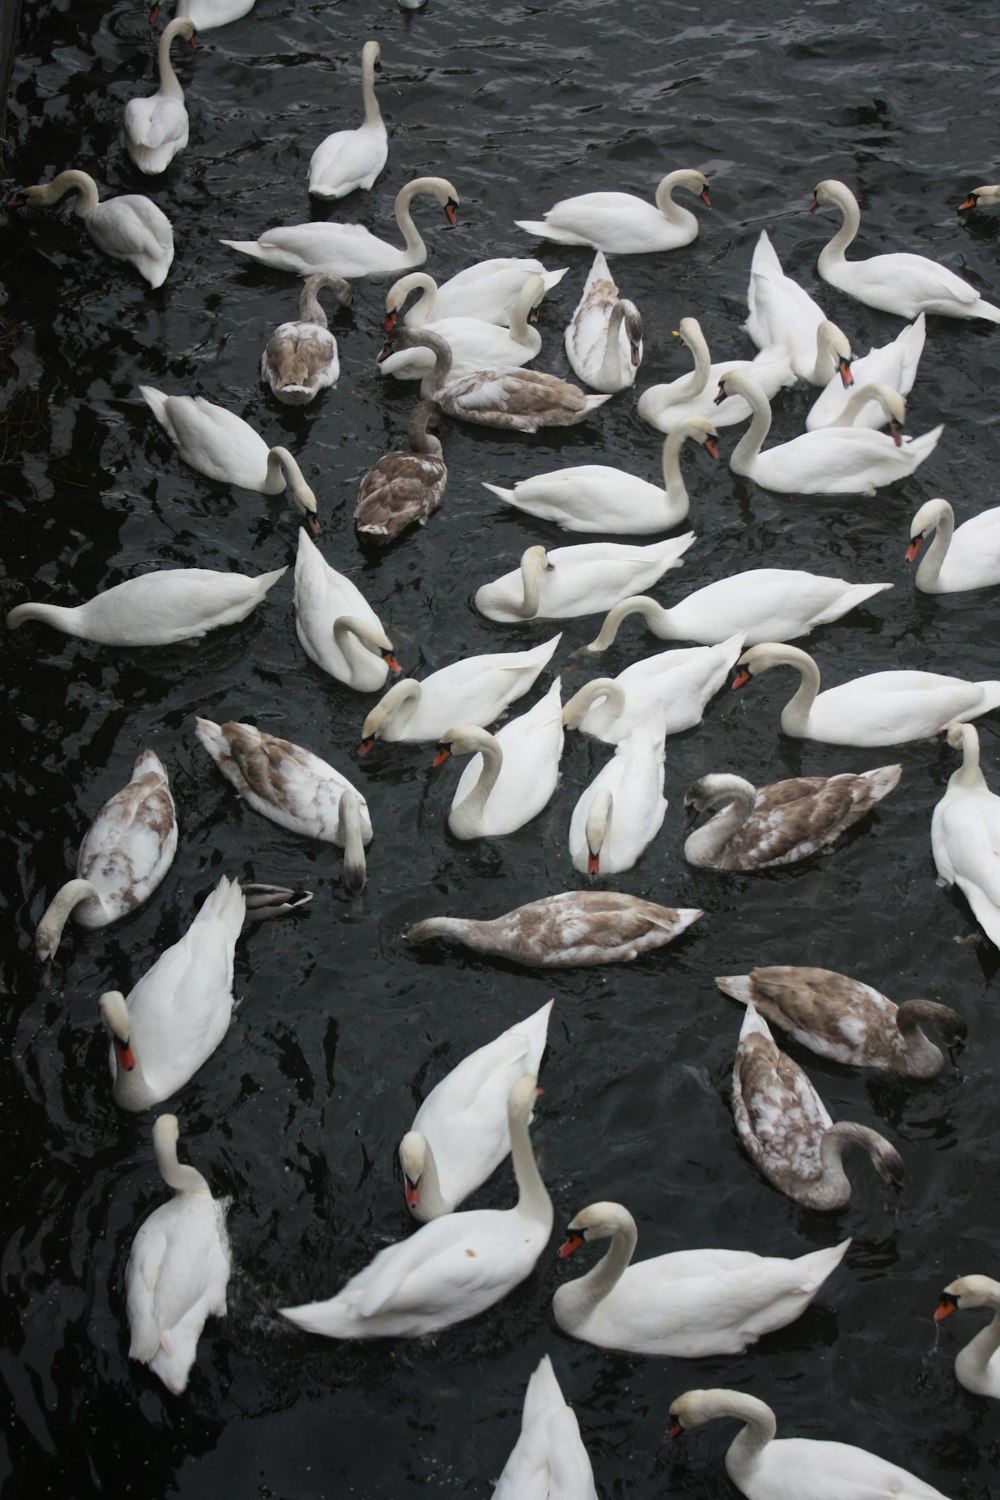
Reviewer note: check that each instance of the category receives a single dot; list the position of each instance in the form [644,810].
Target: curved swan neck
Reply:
[183,1179]
[489,747]
[370,54]
[600,689]
[418,437]
[919,1047]
[930,565]
[973,1361]
[737,796]
[57,913]
[411,234]
[534,563]
[694,340]
[673,479]
[834,252]
[169,82]
[671,211]
[62,617]
[529,296]
[836,1187]
[611,360]
[66,182]
[422,310]
[423,338]
[748,1445]
[351,834]
[969,773]
[795,714]
[877,391]
[281,462]
[656,617]
[750,444]
[311,310]
[348,628]
[587,1291]
[396,705]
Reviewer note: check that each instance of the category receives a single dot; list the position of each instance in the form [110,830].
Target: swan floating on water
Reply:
[353,159]
[129,227]
[621,223]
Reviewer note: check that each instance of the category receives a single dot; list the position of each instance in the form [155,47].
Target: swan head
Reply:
[966,1292]
[830,190]
[685,177]
[833,343]
[442,190]
[596,828]
[412,1156]
[887,1162]
[599,1221]
[696,1407]
[114,1014]
[397,294]
[305,500]
[766,654]
[521,1099]
[699,430]
[709,791]
[989,193]
[388,705]
[926,520]
[463,739]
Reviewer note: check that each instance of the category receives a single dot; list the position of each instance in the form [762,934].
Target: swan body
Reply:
[350,250]
[693,396]
[475,343]
[782,315]
[405,485]
[207,14]
[966,558]
[828,460]
[353,158]
[756,828]
[897,283]
[294,788]
[786,1130]
[763,1468]
[512,775]
[336,626]
[848,1021]
[965,834]
[894,364]
[155,609]
[487,290]
[220,445]
[570,930]
[178,1013]
[564,582]
[977,1366]
[178,1267]
[687,1304]
[155,129]
[881,708]
[623,808]
[599,498]
[604,338]
[125,854]
[622,224]
[671,688]
[129,227]
[508,398]
[460,1133]
[474,690]
[301,357]
[453,1267]
[775,604]
[548,1461]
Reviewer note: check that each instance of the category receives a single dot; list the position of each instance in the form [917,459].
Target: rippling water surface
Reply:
[342,1029]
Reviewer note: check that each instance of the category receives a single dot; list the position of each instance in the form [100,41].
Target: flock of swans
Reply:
[469,343]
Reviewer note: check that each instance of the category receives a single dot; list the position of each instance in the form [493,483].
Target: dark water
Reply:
[341,1029]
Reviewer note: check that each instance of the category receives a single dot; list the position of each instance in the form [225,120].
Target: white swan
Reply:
[178,1013]
[977,1366]
[548,1461]
[294,788]
[487,290]
[156,128]
[301,358]
[473,690]
[880,708]
[604,337]
[564,582]
[786,1130]
[756,828]
[406,484]
[829,460]
[178,1267]
[598,498]
[513,774]
[623,808]
[897,283]
[353,158]
[155,609]
[670,688]
[506,397]
[848,1021]
[336,626]
[125,854]
[129,227]
[220,445]
[893,364]
[665,407]
[684,1305]
[570,930]
[622,224]
[782,315]
[986,195]
[454,1267]
[207,14]
[763,1468]
[764,603]
[968,558]
[460,1133]
[475,344]
[965,834]
[350,250]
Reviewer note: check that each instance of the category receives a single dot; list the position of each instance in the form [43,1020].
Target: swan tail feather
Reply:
[507,496]
[545,231]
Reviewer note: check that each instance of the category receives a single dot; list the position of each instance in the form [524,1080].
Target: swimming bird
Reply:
[155,609]
[893,364]
[693,396]
[782,315]
[129,227]
[670,688]
[178,1268]
[977,1366]
[986,195]
[404,486]
[548,1461]
[897,283]
[512,775]
[622,224]
[561,583]
[488,290]
[207,14]
[353,159]
[965,833]
[301,357]
[966,558]
[604,337]
[475,343]
[156,128]
[622,810]
[337,628]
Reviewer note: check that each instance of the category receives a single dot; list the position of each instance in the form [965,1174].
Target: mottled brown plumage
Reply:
[404,486]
